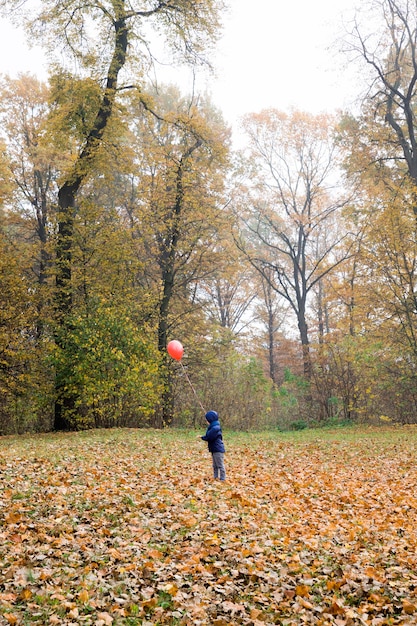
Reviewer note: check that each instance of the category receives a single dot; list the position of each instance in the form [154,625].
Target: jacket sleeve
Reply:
[211,434]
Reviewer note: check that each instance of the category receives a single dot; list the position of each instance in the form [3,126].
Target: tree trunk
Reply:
[64,403]
[271,346]
[302,326]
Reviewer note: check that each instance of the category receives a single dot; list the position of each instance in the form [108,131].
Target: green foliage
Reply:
[293,379]
[298,425]
[112,367]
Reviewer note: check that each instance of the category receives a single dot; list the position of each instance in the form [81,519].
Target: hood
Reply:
[211,416]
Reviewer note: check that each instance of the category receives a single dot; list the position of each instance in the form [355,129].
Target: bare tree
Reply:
[384,38]
[290,207]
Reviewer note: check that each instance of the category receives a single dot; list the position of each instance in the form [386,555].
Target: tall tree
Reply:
[25,381]
[228,293]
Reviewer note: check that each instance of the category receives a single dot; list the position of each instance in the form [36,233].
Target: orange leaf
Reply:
[302,590]
[189,521]
[336,609]
[408,607]
[155,554]
[115,554]
[232,607]
[305,604]
[13,518]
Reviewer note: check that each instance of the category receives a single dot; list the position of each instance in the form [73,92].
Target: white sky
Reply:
[274,53]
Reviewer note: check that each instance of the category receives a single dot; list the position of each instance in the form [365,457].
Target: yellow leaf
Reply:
[26,594]
[83,596]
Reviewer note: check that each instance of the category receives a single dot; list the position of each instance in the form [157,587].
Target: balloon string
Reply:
[191,385]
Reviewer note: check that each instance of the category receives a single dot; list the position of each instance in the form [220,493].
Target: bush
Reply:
[110,366]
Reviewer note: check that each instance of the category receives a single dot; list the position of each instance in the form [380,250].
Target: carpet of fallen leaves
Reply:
[118,527]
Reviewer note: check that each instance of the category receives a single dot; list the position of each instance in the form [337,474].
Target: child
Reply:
[214,439]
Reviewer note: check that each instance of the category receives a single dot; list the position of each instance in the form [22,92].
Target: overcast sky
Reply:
[273,54]
[277,54]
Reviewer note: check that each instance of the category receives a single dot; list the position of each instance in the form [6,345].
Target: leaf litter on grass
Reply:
[127,527]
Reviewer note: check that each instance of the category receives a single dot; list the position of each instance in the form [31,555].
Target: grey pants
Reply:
[218,465]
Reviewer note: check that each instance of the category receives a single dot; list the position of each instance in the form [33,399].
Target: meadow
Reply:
[127,527]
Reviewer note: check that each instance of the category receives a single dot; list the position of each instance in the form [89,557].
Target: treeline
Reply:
[287,269]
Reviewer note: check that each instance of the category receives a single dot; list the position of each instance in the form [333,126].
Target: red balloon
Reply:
[175,349]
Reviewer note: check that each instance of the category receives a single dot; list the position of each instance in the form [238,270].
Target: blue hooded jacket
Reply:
[213,434]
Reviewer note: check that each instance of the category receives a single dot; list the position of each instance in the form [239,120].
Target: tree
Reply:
[74,24]
[25,380]
[390,55]
[289,232]
[271,312]
[228,293]
[174,206]
[381,158]
[33,166]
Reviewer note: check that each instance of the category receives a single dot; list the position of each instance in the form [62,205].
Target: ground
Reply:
[126,527]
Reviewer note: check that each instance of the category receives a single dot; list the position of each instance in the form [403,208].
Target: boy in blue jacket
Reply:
[214,439]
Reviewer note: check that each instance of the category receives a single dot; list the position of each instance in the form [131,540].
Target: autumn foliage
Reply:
[126,527]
